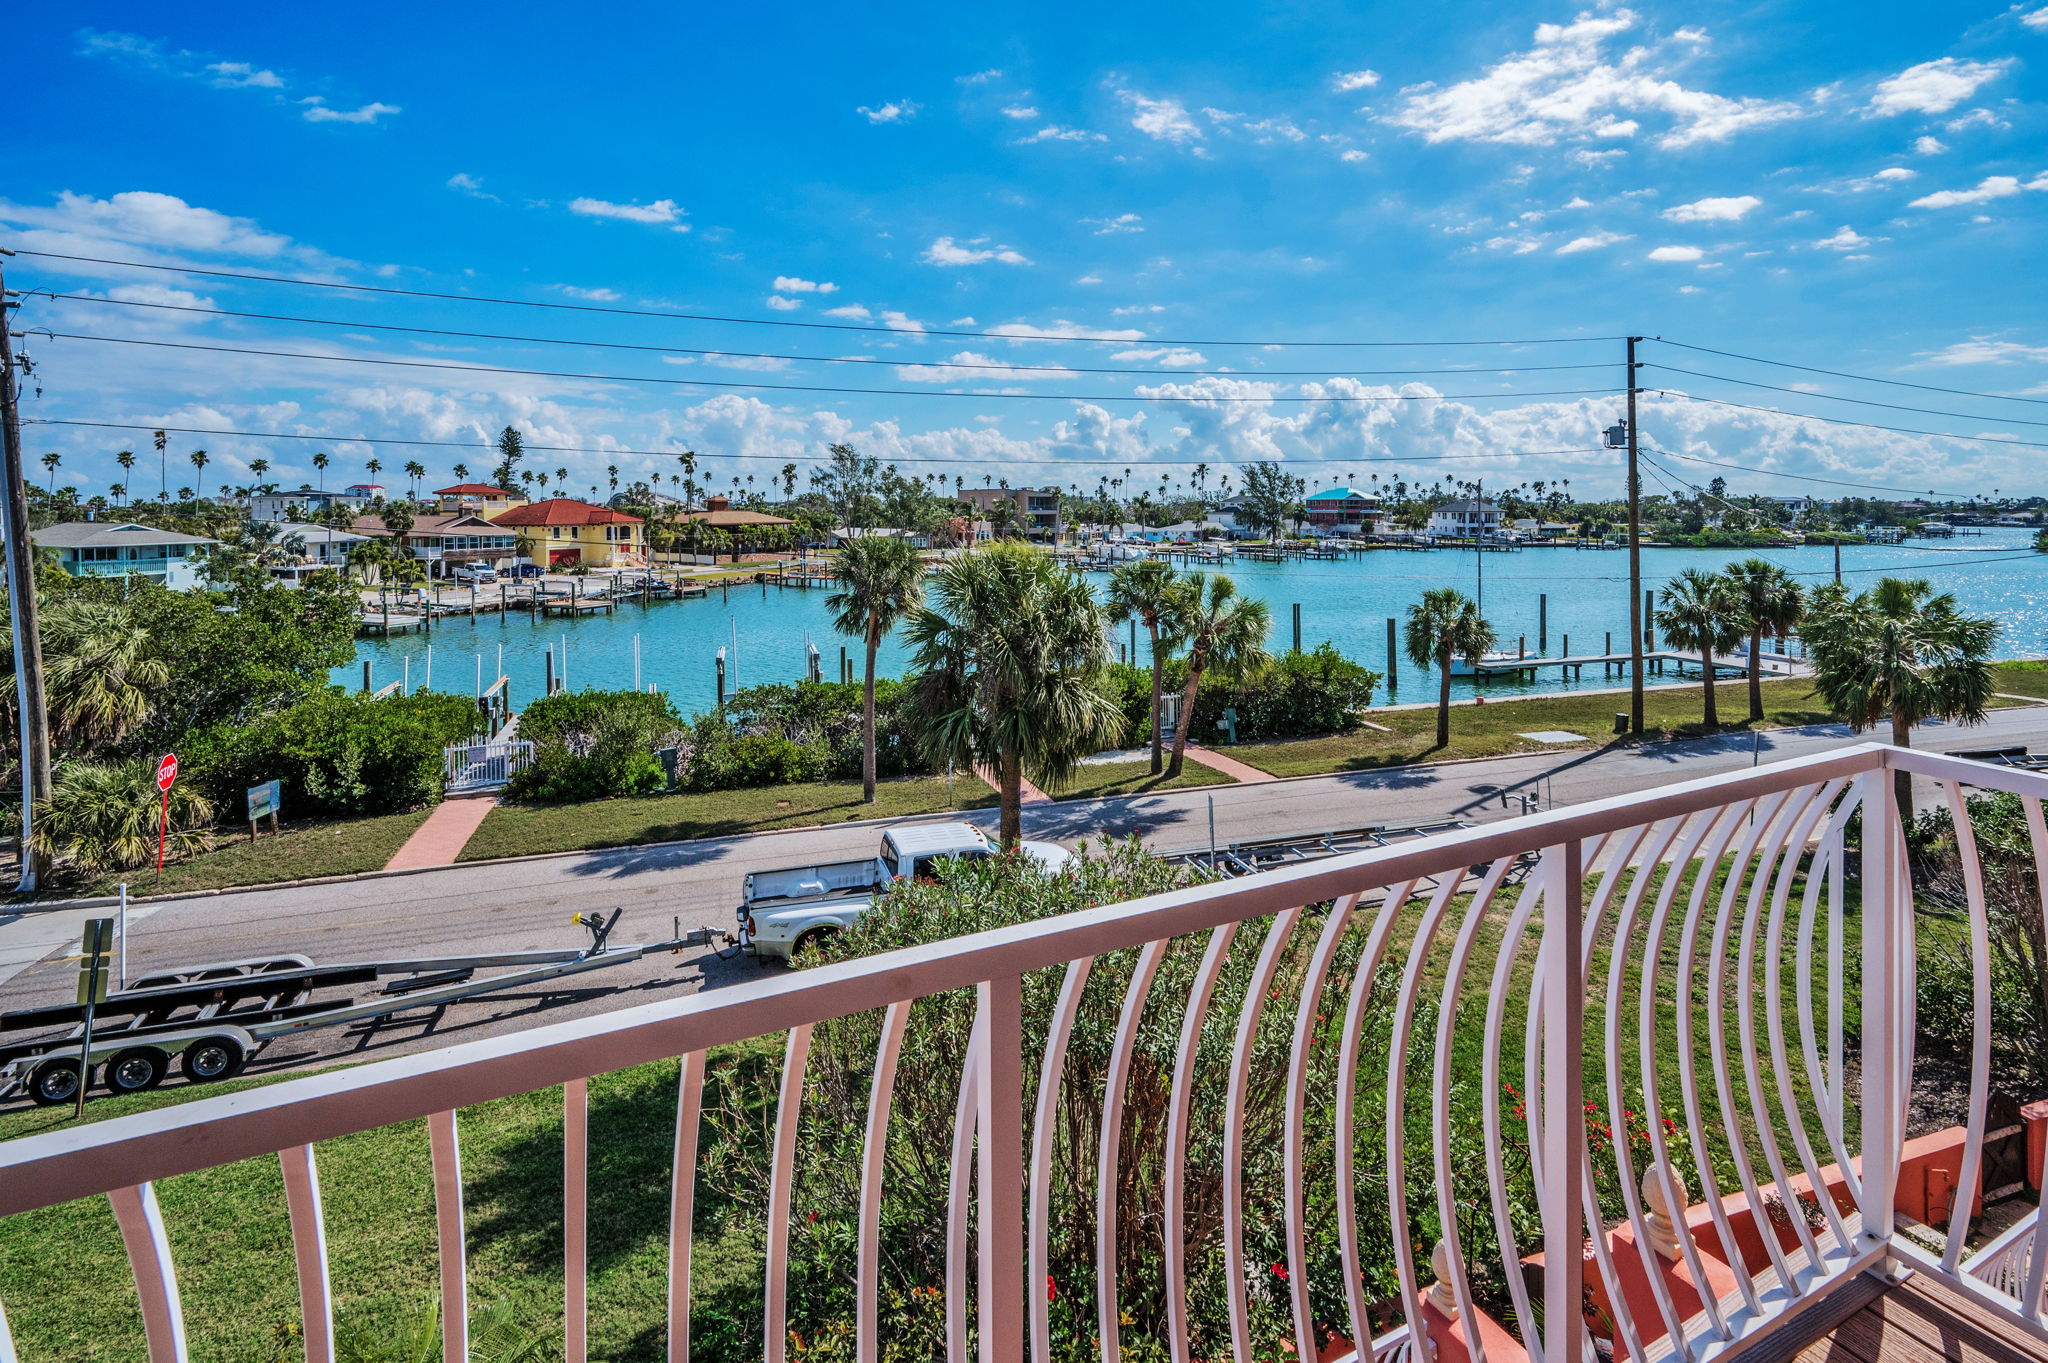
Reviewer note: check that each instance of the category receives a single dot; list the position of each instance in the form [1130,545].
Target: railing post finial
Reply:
[1441,1294]
[1661,1221]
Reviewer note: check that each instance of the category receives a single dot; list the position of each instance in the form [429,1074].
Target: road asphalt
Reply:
[526,904]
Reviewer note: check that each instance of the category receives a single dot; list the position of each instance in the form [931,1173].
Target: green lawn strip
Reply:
[2028,678]
[1494,729]
[335,847]
[1097,779]
[517,830]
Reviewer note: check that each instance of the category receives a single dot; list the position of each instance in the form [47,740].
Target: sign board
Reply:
[263,800]
[95,957]
[167,772]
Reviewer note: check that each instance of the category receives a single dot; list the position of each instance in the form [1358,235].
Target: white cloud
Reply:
[241,75]
[981,77]
[1894,174]
[1844,239]
[1978,350]
[1521,246]
[1063,330]
[1165,119]
[1592,242]
[1122,222]
[660,211]
[1989,188]
[317,110]
[791,284]
[1976,118]
[462,182]
[1934,87]
[979,251]
[2036,20]
[760,364]
[1353,155]
[1676,253]
[1568,86]
[895,111]
[1167,357]
[985,370]
[1089,279]
[147,218]
[852,312]
[1019,111]
[1929,146]
[1713,210]
[897,321]
[589,295]
[1577,202]
[1055,133]
[781,304]
[1344,82]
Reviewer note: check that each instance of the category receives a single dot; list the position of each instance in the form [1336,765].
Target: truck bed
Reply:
[772,889]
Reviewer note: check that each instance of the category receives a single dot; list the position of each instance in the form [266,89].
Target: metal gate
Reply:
[485,766]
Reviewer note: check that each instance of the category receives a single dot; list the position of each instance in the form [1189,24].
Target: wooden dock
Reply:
[1654,661]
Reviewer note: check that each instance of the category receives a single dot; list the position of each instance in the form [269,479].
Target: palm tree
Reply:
[199,463]
[612,472]
[375,466]
[100,671]
[461,472]
[50,462]
[1014,665]
[1899,653]
[107,816]
[1221,630]
[119,490]
[1143,590]
[126,459]
[1769,602]
[1701,614]
[881,580]
[414,471]
[1445,624]
[320,462]
[259,467]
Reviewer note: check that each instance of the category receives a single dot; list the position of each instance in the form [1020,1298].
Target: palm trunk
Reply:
[1443,699]
[1713,711]
[1158,696]
[867,719]
[1196,665]
[1756,674]
[1902,782]
[1010,778]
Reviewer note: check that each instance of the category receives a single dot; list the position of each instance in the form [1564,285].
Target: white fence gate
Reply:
[485,766]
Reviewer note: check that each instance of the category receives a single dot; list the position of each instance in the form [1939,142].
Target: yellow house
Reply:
[563,532]
[481,498]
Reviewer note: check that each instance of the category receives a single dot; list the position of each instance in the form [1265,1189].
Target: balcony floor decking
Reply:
[1917,1321]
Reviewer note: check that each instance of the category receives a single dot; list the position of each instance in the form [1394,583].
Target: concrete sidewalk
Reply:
[440,840]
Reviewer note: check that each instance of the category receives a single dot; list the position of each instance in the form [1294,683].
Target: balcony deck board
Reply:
[1916,1321]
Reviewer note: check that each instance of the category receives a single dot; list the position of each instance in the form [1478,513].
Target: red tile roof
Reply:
[563,511]
[473,490]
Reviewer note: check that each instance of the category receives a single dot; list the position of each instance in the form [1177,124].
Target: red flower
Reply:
[1280,1272]
[1052,1291]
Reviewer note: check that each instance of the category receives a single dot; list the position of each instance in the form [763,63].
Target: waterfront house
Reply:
[740,526]
[563,532]
[481,498]
[367,492]
[444,541]
[125,549]
[1343,511]
[300,504]
[325,548]
[1035,511]
[1466,519]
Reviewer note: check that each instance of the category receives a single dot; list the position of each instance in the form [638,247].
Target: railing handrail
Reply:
[53,1167]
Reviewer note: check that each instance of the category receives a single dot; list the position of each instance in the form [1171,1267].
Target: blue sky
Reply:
[1852,187]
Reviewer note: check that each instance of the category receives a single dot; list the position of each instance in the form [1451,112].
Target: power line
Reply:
[1810,478]
[773,321]
[775,458]
[1831,397]
[1838,421]
[808,387]
[995,365]
[1860,378]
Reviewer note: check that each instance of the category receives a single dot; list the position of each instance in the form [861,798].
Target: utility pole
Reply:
[31,703]
[1635,557]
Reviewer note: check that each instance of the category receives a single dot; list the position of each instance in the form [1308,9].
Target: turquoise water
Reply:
[765,629]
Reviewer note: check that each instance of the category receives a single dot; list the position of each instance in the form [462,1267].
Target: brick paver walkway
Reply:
[1229,766]
[1027,793]
[440,840]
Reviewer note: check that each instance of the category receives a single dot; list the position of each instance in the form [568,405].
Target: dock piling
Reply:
[1543,622]
[366,675]
[1297,627]
[1393,659]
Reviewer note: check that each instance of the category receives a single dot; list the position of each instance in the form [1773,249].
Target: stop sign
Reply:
[167,772]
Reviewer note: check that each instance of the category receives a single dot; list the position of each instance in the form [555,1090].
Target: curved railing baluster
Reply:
[1823,886]
[309,1253]
[1293,1136]
[874,1158]
[446,1148]
[781,1187]
[1109,1148]
[1268,965]
[1044,1141]
[1980,1032]
[682,1201]
[1179,1100]
[2035,1296]
[959,1186]
[575,1220]
[156,1282]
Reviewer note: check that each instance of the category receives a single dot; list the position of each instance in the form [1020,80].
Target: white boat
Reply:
[1462,667]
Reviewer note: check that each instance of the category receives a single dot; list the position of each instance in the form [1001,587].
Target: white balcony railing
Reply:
[1294,1083]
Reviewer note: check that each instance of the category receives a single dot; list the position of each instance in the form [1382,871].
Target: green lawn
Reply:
[330,848]
[1494,729]
[2028,678]
[519,830]
[1098,779]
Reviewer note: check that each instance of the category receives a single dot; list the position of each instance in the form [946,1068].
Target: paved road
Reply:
[526,905]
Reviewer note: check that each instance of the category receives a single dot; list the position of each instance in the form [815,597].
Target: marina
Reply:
[1539,601]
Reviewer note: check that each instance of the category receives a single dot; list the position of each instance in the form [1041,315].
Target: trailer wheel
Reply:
[54,1082]
[135,1070]
[211,1058]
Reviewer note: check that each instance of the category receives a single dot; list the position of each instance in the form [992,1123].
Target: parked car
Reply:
[475,574]
[520,570]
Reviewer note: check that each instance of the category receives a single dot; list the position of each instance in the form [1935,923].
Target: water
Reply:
[765,629]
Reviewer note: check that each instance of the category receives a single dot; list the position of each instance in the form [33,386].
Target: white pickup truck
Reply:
[783,911]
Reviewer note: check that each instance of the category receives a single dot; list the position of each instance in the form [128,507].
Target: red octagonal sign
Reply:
[167,771]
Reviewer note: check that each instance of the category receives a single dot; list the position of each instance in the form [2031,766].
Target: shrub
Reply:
[591,745]
[786,734]
[1302,695]
[341,752]
[107,817]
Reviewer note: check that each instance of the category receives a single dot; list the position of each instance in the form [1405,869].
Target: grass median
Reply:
[2027,678]
[1096,780]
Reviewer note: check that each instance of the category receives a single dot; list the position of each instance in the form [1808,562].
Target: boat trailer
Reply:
[212,1018]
